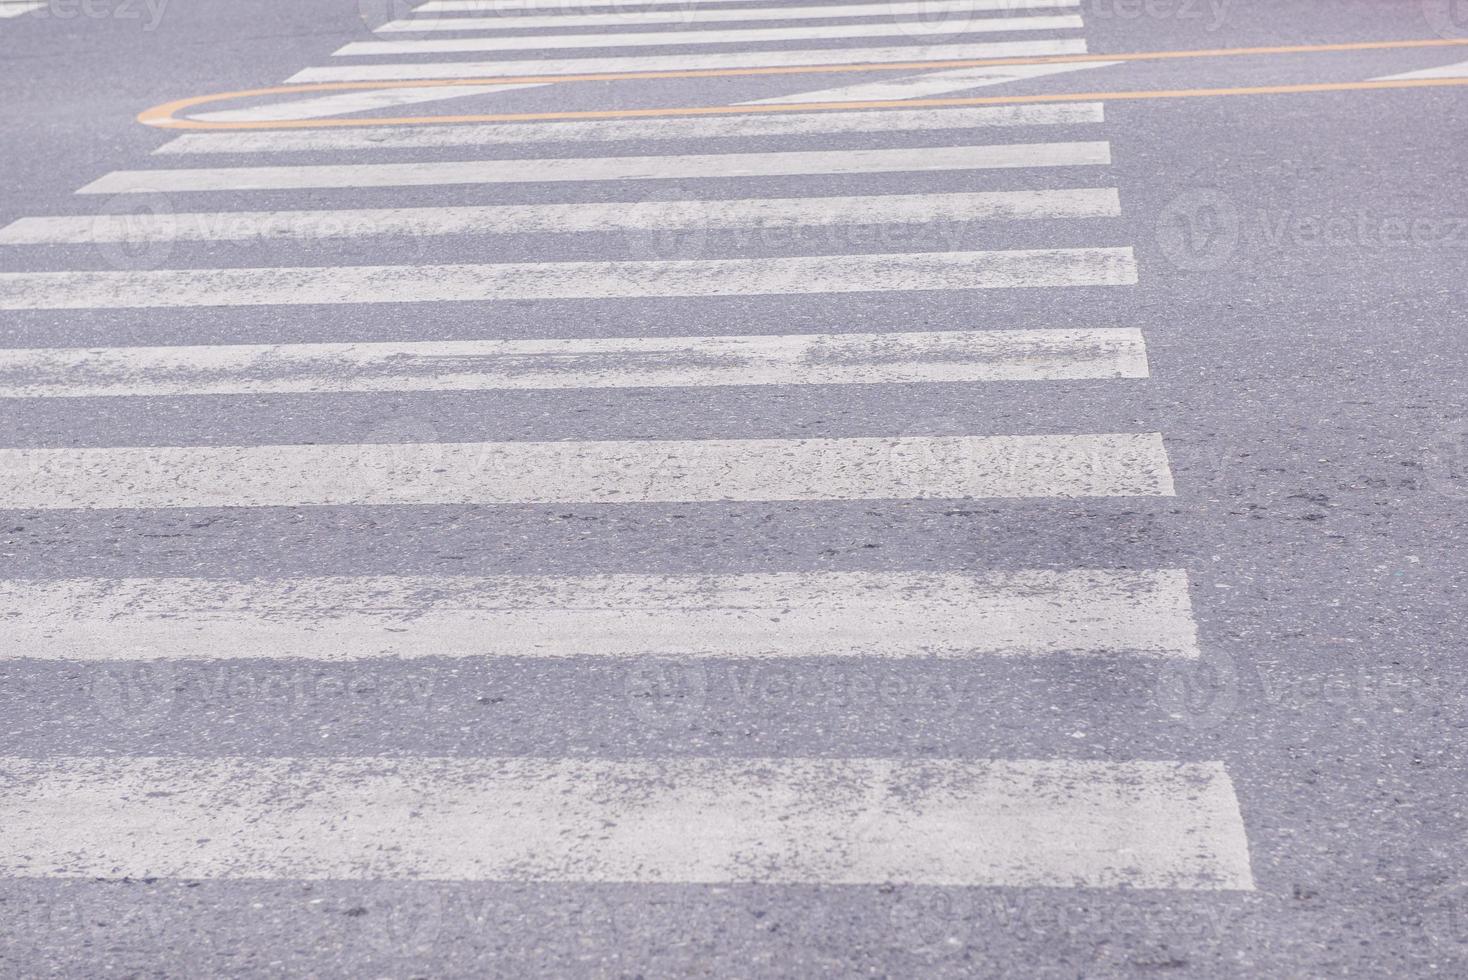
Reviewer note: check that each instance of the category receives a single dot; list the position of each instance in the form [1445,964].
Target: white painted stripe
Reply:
[751,35]
[428,173]
[308,285]
[687,14]
[702,215]
[1056,823]
[658,471]
[684,62]
[612,362]
[16,9]
[1456,70]
[696,127]
[746,616]
[572,8]
[349,102]
[932,84]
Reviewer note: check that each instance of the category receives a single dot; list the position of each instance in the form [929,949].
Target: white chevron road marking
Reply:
[350,102]
[931,84]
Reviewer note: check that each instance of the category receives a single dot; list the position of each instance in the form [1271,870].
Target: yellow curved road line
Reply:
[165,115]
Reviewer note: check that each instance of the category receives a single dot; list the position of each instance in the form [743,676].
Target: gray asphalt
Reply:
[1309,386]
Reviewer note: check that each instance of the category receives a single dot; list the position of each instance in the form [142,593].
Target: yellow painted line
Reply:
[165,115]
[820,106]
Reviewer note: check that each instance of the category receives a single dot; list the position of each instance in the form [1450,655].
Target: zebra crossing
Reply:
[646,819]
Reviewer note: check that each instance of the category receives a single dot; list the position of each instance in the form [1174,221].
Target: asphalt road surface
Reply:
[663,488]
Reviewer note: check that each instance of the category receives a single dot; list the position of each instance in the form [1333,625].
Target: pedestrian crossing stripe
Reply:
[945,211]
[701,14]
[681,38]
[502,7]
[323,285]
[954,822]
[679,166]
[879,615]
[610,472]
[545,67]
[610,130]
[600,362]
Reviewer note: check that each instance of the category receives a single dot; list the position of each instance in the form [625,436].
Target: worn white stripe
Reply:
[701,215]
[775,615]
[784,163]
[709,470]
[8,10]
[697,127]
[349,102]
[1057,823]
[613,362]
[308,285]
[573,8]
[932,84]
[1456,70]
[690,15]
[752,35]
[682,62]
